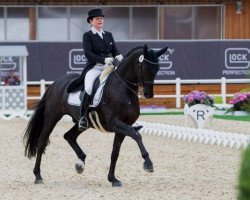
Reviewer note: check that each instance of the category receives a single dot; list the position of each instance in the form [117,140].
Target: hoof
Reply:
[79,168]
[148,167]
[38,181]
[117,184]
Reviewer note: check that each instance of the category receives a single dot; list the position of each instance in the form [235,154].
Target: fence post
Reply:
[178,93]
[223,90]
[42,87]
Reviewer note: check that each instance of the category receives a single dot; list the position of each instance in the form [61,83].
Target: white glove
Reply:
[108,60]
[119,57]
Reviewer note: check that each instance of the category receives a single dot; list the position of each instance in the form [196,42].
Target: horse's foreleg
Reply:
[71,137]
[125,129]
[147,165]
[114,156]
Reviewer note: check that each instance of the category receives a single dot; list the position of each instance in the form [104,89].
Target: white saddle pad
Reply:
[74,98]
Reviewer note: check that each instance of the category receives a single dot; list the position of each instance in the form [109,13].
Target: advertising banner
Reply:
[184,59]
[9,64]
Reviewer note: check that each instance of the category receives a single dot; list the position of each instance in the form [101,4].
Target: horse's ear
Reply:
[145,50]
[162,51]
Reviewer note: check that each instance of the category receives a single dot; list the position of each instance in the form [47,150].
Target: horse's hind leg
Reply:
[42,143]
[71,137]
[114,156]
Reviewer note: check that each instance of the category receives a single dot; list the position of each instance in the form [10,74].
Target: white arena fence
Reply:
[178,82]
[182,133]
[205,136]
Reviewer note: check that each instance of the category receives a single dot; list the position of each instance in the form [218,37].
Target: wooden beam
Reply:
[32,23]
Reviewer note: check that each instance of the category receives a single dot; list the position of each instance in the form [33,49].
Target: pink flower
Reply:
[190,99]
[232,102]
[240,101]
[198,97]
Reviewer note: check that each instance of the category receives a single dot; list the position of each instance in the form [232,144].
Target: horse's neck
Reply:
[128,70]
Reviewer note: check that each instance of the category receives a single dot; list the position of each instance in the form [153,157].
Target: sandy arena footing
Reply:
[183,170]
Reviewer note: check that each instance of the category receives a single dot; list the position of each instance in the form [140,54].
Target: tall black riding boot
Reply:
[83,121]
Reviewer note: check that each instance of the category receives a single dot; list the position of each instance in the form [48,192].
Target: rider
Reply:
[100,50]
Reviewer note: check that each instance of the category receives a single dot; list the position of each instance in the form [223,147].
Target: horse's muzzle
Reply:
[148,96]
[148,92]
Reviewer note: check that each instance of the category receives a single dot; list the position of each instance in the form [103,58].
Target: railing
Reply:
[206,136]
[42,84]
[177,82]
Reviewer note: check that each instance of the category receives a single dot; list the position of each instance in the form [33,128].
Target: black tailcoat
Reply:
[96,50]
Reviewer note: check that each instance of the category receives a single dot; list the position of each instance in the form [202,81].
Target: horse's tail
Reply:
[35,127]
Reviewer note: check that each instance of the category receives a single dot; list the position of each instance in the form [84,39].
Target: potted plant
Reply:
[198,97]
[198,105]
[240,103]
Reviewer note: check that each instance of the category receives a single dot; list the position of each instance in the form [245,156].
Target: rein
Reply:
[126,85]
[140,77]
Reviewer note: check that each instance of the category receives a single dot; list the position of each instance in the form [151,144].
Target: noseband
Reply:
[141,82]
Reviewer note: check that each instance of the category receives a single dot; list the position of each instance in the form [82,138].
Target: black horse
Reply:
[117,113]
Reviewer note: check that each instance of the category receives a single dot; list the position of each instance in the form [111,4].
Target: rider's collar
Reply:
[94,31]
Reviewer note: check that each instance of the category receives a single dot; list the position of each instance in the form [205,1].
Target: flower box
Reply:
[240,104]
[198,97]
[198,105]
[199,113]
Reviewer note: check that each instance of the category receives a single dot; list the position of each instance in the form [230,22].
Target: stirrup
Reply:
[83,124]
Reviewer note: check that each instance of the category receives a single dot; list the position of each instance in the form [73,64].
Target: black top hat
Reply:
[94,13]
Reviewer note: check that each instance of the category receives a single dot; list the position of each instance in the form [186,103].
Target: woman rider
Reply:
[100,50]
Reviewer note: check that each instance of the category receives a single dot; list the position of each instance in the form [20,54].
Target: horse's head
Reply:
[149,66]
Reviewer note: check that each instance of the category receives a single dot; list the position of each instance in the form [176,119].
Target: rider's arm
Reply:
[115,51]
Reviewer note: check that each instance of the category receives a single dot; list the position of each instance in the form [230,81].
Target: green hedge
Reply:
[244,176]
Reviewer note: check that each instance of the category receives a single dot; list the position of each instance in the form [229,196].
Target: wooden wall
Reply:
[237,26]
[115,2]
[92,2]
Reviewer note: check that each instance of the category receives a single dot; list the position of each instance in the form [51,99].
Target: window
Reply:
[191,22]
[78,22]
[144,23]
[18,24]
[117,22]
[208,23]
[1,24]
[52,24]
[56,23]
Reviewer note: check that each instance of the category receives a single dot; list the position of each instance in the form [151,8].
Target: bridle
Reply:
[141,83]
[142,60]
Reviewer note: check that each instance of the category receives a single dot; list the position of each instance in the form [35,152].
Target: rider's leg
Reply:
[89,80]
[83,122]
[107,70]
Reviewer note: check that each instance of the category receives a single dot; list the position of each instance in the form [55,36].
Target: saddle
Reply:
[100,89]
[77,86]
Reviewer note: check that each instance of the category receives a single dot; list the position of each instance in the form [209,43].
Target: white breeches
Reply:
[91,76]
